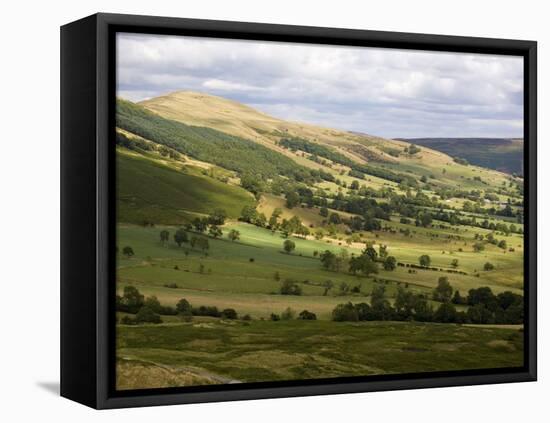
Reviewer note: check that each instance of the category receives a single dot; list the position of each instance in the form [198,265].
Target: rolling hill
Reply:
[168,192]
[503,154]
[230,117]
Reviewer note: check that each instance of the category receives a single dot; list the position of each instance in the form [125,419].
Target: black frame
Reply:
[88,221]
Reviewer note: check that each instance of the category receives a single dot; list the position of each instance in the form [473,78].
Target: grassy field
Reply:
[231,279]
[213,351]
[150,190]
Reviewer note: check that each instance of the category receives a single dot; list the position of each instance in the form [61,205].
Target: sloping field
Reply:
[150,191]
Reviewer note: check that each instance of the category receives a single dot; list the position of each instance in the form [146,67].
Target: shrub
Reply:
[131,300]
[446,313]
[307,315]
[290,287]
[488,266]
[229,313]
[211,311]
[274,317]
[288,314]
[345,313]
[183,307]
[147,315]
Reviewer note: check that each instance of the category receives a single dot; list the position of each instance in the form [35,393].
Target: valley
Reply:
[251,248]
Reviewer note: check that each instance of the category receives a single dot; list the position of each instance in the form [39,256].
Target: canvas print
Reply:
[292,212]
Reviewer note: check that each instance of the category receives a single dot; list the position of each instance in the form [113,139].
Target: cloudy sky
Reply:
[385,92]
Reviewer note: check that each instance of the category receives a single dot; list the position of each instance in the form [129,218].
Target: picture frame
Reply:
[88,221]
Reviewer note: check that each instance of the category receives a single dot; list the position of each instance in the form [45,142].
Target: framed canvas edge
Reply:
[105,55]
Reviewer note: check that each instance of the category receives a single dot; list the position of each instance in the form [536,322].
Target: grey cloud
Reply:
[392,93]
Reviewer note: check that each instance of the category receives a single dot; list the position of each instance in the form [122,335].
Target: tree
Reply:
[180,237]
[328,286]
[183,307]
[288,314]
[229,313]
[425,219]
[146,315]
[307,315]
[274,219]
[381,308]
[364,311]
[457,298]
[370,252]
[217,217]
[334,218]
[454,263]
[331,261]
[323,211]
[502,244]
[164,236]
[479,246]
[200,225]
[444,291]
[289,246]
[128,251]
[424,260]
[248,214]
[234,235]
[362,264]
[390,263]
[345,313]
[292,199]
[354,185]
[446,313]
[290,287]
[131,300]
[214,231]
[488,267]
[153,303]
[383,251]
[479,314]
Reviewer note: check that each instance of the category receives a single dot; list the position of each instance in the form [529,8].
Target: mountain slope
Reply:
[150,191]
[239,120]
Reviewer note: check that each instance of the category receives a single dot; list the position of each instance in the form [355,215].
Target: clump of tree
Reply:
[133,302]
[390,263]
[444,291]
[290,287]
[229,313]
[234,235]
[307,315]
[180,237]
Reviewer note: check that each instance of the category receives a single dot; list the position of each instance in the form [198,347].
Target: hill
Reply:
[502,154]
[380,157]
[149,190]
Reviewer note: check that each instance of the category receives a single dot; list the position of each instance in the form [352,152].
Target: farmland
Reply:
[254,249]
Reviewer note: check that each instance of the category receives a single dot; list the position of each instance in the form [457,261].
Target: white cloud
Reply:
[380,91]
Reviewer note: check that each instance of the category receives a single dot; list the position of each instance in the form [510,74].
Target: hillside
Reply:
[263,242]
[503,154]
[239,120]
[150,190]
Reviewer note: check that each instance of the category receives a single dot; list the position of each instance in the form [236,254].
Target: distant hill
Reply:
[503,154]
[375,160]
